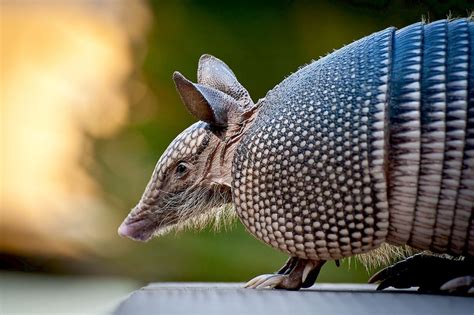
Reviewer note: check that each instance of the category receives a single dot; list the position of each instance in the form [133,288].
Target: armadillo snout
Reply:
[138,230]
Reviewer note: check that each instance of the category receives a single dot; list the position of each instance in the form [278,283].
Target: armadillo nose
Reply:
[124,230]
[141,230]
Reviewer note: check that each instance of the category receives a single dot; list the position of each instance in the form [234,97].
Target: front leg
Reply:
[297,273]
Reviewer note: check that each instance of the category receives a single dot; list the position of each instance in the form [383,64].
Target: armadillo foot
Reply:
[431,274]
[295,274]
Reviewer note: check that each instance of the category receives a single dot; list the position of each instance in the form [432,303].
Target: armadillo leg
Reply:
[429,273]
[310,273]
[288,266]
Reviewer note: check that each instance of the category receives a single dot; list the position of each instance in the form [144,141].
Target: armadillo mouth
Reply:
[141,230]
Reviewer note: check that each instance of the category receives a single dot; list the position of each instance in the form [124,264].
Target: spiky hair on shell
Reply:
[388,254]
[384,255]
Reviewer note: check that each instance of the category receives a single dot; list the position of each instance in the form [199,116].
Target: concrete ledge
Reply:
[230,298]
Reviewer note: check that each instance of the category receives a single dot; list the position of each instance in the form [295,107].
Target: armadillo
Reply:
[372,144]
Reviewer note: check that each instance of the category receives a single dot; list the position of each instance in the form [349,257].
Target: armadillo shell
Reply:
[373,143]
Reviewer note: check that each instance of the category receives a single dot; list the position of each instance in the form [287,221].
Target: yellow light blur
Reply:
[63,69]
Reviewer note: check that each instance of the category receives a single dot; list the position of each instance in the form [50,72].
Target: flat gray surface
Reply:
[231,298]
[23,293]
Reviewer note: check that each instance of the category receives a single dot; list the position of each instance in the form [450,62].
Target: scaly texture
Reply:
[370,144]
[430,205]
[309,175]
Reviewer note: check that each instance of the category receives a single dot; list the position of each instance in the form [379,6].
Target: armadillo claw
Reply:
[271,282]
[297,273]
[274,281]
[459,284]
[254,282]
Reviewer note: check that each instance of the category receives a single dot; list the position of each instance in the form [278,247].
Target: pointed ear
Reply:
[214,73]
[205,103]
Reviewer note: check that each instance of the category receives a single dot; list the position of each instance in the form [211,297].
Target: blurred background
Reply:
[88,105]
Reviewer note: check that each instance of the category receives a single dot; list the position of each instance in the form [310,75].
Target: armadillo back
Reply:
[369,144]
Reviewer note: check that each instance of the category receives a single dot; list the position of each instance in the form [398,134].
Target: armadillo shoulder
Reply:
[315,155]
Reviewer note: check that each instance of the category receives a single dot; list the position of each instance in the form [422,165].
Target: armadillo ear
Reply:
[203,102]
[215,73]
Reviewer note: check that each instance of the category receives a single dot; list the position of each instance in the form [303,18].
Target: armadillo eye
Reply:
[181,169]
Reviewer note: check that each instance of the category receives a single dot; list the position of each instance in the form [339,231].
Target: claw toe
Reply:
[253,283]
[383,285]
[271,282]
[296,274]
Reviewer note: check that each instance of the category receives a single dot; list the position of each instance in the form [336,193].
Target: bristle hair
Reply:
[197,208]
[384,255]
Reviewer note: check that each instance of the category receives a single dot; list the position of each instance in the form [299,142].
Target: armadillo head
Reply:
[192,177]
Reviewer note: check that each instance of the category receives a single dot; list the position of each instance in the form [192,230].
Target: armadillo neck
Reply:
[431,137]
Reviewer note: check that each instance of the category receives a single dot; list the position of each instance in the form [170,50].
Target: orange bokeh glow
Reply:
[63,71]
